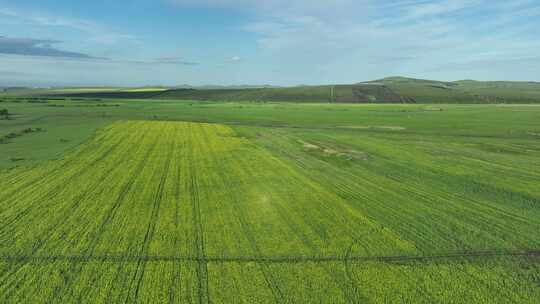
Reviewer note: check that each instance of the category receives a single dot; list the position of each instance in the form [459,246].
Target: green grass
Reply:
[68,123]
[163,201]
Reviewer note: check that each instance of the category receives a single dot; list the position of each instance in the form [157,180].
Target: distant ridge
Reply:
[396,89]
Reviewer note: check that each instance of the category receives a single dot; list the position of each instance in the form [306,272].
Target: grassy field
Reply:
[198,202]
[65,124]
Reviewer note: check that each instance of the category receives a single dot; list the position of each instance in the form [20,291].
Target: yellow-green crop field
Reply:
[180,212]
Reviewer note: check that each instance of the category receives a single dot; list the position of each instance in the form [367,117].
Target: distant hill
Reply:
[387,90]
[464,91]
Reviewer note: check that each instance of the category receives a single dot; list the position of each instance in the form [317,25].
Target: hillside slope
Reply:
[357,93]
[387,90]
[464,91]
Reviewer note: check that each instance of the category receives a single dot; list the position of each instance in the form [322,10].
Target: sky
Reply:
[271,42]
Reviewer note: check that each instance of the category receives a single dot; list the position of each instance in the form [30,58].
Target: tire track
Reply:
[158,196]
[125,189]
[59,166]
[50,232]
[180,154]
[202,266]
[295,227]
[69,212]
[277,293]
[483,254]
[52,192]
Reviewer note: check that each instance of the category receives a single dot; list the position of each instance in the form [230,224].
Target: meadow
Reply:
[229,202]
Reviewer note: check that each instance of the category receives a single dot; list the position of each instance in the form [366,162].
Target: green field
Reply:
[154,201]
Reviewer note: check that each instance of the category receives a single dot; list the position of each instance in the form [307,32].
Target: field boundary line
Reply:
[273,260]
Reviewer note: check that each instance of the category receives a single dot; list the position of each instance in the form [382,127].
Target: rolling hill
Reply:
[387,90]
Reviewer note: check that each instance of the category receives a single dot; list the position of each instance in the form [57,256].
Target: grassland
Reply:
[67,123]
[190,202]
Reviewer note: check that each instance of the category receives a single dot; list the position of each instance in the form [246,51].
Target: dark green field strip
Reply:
[111,95]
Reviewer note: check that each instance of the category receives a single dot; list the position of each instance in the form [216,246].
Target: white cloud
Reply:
[49,71]
[173,60]
[321,8]
[434,8]
[36,47]
[94,31]
[7,12]
[417,35]
[246,4]
[318,41]
[112,38]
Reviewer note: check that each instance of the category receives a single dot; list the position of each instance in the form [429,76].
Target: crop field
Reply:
[175,202]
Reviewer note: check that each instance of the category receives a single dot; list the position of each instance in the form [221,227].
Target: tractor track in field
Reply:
[202,267]
[52,192]
[60,166]
[158,196]
[177,195]
[483,254]
[303,236]
[49,233]
[240,213]
[125,190]
[77,202]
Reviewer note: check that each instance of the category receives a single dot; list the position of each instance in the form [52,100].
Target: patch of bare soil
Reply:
[332,151]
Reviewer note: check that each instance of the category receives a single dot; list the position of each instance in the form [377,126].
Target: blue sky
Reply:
[277,42]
